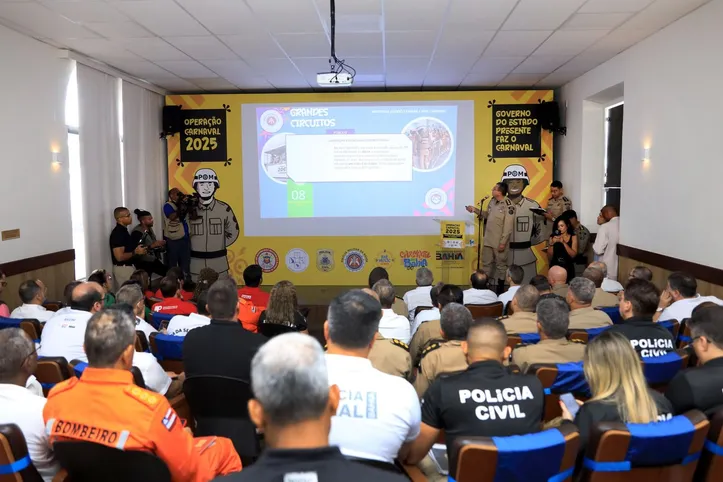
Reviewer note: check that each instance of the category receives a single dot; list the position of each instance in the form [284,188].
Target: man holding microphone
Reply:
[499,220]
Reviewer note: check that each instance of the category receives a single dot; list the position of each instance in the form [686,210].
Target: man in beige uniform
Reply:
[558,203]
[601,298]
[446,355]
[215,229]
[582,315]
[523,318]
[552,324]
[557,277]
[391,356]
[430,330]
[499,220]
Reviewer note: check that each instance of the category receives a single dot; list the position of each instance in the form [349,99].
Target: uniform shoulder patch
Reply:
[565,199]
[578,341]
[502,318]
[400,344]
[63,386]
[430,347]
[508,202]
[149,399]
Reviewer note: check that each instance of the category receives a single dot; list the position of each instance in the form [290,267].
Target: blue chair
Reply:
[662,451]
[587,335]
[557,379]
[15,463]
[168,350]
[710,465]
[672,326]
[51,371]
[157,319]
[30,326]
[522,339]
[659,370]
[545,456]
[613,312]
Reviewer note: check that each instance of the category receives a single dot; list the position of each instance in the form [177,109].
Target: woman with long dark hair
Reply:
[562,248]
[282,312]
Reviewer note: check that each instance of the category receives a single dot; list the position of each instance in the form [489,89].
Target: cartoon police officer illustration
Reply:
[527,230]
[214,229]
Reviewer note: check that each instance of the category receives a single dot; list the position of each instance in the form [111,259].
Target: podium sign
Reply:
[452,235]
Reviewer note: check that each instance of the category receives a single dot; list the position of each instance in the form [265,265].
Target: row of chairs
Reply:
[478,311]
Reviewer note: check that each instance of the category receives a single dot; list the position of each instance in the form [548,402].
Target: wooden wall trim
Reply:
[701,272]
[37,262]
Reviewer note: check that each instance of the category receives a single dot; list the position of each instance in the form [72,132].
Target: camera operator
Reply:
[143,235]
[175,232]
[122,249]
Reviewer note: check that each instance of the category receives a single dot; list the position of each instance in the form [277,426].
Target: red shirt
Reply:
[254,295]
[185,295]
[174,306]
[150,294]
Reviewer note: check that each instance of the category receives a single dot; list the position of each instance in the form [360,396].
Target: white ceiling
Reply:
[222,45]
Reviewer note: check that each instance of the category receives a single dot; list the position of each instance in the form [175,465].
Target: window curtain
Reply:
[100,162]
[144,153]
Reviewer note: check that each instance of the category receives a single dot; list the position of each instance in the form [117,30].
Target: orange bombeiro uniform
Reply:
[106,407]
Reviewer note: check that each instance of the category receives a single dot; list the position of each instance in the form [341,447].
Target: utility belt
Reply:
[209,254]
[522,245]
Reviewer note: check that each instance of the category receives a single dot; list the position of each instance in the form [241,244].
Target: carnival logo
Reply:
[415,259]
[384,259]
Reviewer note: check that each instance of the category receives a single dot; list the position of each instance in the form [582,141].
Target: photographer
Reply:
[175,231]
[143,235]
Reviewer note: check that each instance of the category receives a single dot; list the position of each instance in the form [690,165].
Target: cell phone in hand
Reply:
[570,403]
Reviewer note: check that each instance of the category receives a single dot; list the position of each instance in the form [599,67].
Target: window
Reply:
[72,122]
[613,155]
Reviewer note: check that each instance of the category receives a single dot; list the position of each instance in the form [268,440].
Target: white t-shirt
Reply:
[154,375]
[20,406]
[507,296]
[426,315]
[377,412]
[180,325]
[393,325]
[682,309]
[64,334]
[419,296]
[30,312]
[145,327]
[474,296]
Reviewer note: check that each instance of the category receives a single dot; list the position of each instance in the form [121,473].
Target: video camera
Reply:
[188,205]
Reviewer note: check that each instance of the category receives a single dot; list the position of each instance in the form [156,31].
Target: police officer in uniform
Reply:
[391,356]
[445,355]
[528,227]
[215,229]
[552,323]
[431,330]
[485,400]
[499,219]
[523,318]
[558,203]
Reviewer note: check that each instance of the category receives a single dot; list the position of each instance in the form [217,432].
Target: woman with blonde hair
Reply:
[619,390]
[282,314]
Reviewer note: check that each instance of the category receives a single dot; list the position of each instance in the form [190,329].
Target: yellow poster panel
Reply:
[453,235]
[206,159]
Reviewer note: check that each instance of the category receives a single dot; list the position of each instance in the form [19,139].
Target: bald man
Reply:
[606,241]
[557,277]
[486,400]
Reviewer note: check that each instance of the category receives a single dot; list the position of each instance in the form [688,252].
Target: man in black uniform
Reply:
[637,307]
[702,387]
[485,400]
[293,405]
[122,248]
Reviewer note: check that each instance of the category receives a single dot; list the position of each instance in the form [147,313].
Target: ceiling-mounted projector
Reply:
[334,79]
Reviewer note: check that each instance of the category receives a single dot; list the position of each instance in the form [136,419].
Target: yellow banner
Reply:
[452,235]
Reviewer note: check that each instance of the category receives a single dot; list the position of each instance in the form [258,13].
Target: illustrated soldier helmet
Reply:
[515,171]
[206,175]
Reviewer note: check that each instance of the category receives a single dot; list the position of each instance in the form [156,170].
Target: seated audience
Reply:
[378,273]
[641,272]
[637,307]
[462,405]
[431,330]
[523,318]
[391,325]
[175,273]
[554,347]
[515,275]
[540,282]
[18,405]
[132,294]
[680,297]
[557,277]
[430,314]
[32,294]
[293,406]
[283,309]
[619,390]
[582,315]
[602,297]
[180,325]
[223,347]
[4,310]
[253,277]
[106,398]
[142,278]
[67,296]
[609,285]
[390,356]
[171,303]
[479,293]
[444,355]
[206,278]
[700,387]
[419,296]
[63,334]
[105,280]
[384,431]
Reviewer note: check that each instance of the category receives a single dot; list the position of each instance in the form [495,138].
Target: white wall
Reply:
[674,103]
[34,196]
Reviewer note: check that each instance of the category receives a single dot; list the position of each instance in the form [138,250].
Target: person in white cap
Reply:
[215,228]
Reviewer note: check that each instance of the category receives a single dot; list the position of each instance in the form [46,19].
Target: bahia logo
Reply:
[414,259]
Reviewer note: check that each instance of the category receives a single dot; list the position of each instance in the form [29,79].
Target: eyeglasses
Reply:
[37,347]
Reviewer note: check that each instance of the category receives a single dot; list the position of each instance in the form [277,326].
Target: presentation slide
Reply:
[356,162]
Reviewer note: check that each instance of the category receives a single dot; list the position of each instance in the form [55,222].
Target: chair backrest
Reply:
[545,456]
[522,338]
[157,319]
[15,463]
[672,326]
[51,371]
[490,309]
[79,367]
[656,452]
[419,309]
[271,330]
[508,309]
[53,305]
[558,379]
[141,343]
[87,461]
[685,337]
[710,466]
[613,312]
[30,326]
[585,335]
[660,370]
[168,350]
